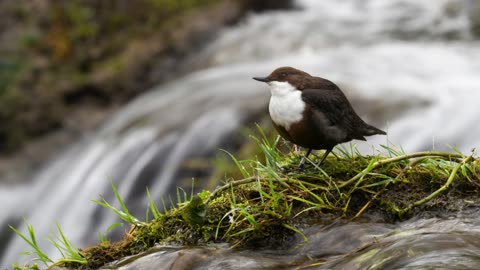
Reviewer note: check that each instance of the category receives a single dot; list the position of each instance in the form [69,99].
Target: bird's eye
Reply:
[284,75]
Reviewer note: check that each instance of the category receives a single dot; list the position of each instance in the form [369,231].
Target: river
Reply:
[409,67]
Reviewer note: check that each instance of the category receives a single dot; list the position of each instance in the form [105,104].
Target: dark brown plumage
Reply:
[326,118]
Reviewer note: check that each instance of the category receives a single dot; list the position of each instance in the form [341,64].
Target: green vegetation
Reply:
[273,201]
[70,254]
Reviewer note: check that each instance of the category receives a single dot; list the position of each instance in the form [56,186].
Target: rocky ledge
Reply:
[274,207]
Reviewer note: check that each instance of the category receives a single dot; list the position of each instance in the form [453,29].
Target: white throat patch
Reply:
[286,105]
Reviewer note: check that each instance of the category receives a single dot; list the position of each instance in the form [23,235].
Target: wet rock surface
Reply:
[419,244]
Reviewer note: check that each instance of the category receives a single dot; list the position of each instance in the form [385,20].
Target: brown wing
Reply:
[329,102]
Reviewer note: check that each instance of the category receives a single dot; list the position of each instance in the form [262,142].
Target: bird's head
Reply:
[283,74]
[283,77]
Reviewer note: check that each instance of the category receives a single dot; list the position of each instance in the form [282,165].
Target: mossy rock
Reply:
[274,202]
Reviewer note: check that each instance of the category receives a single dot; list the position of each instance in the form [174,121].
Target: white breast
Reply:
[286,105]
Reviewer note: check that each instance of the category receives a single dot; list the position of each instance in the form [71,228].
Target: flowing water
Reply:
[410,67]
[416,244]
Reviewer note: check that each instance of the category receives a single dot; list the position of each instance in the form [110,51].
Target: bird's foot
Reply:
[301,165]
[300,168]
[302,162]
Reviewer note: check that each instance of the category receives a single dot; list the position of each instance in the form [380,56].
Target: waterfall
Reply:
[410,67]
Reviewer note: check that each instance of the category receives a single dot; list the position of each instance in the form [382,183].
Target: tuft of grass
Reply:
[70,253]
[152,208]
[102,237]
[269,150]
[240,165]
[123,214]
[31,240]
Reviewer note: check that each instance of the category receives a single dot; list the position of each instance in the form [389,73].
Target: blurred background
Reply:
[145,93]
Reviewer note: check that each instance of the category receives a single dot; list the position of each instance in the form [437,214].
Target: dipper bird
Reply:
[312,112]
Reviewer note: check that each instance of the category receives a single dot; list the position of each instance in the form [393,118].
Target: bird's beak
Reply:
[261,79]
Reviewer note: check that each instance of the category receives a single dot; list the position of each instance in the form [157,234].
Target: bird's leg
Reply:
[324,156]
[303,159]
